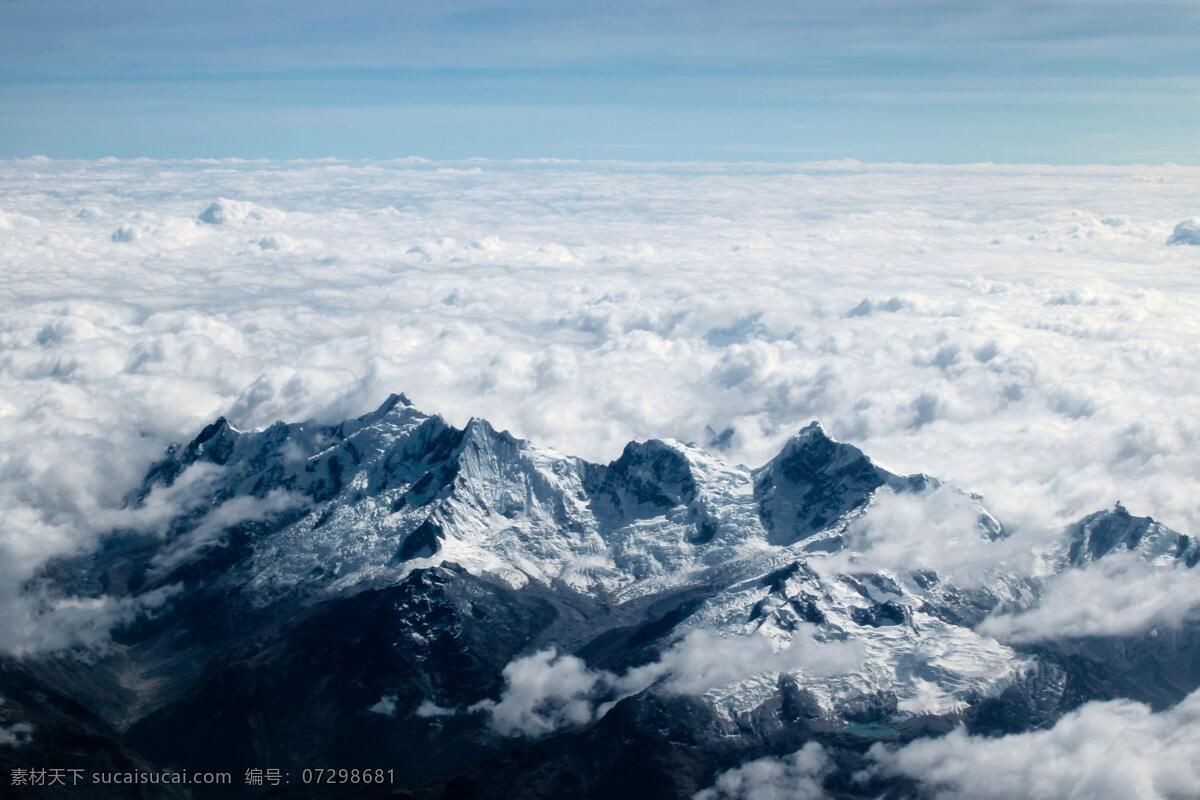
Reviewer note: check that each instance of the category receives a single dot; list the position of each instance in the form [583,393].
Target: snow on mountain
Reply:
[1112,575]
[397,490]
[1115,530]
[461,588]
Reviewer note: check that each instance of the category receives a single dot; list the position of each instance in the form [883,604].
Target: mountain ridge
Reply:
[401,575]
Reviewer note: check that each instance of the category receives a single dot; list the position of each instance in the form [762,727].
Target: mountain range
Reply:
[493,619]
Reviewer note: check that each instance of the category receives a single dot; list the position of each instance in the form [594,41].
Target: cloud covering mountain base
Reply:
[1107,751]
[1026,330]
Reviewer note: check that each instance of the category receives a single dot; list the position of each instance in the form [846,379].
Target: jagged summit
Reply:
[814,429]
[816,480]
[371,500]
[367,500]
[811,451]
[489,497]
[1116,529]
[648,478]
[343,579]
[393,400]
[397,485]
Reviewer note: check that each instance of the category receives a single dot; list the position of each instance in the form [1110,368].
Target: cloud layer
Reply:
[1112,750]
[545,691]
[1120,595]
[939,529]
[1025,332]
[794,777]
[1104,751]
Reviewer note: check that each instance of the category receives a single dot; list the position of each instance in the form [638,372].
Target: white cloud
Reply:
[701,661]
[545,692]
[939,529]
[584,306]
[10,220]
[386,706]
[39,620]
[1112,750]
[212,527]
[1119,595]
[429,709]
[794,777]
[16,735]
[223,212]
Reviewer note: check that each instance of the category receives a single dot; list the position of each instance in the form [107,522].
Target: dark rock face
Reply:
[67,735]
[812,483]
[882,614]
[649,478]
[299,694]
[1115,529]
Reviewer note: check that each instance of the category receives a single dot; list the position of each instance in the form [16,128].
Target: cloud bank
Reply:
[545,691]
[940,529]
[1023,331]
[794,777]
[1113,750]
[1119,595]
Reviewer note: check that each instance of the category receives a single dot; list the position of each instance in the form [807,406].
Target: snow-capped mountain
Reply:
[376,590]
[1116,530]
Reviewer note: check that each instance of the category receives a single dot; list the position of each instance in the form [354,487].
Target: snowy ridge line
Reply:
[922,579]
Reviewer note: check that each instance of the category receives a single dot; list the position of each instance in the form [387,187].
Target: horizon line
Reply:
[416,160]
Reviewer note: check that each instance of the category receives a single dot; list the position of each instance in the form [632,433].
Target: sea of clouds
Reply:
[1024,332]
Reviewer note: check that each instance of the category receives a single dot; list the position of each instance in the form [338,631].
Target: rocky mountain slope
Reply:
[493,619]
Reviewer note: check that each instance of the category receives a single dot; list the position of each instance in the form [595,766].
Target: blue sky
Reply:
[1065,82]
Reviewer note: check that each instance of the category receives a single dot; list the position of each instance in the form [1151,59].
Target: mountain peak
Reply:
[480,427]
[812,450]
[813,429]
[648,477]
[814,481]
[1115,529]
[393,404]
[215,442]
[394,400]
